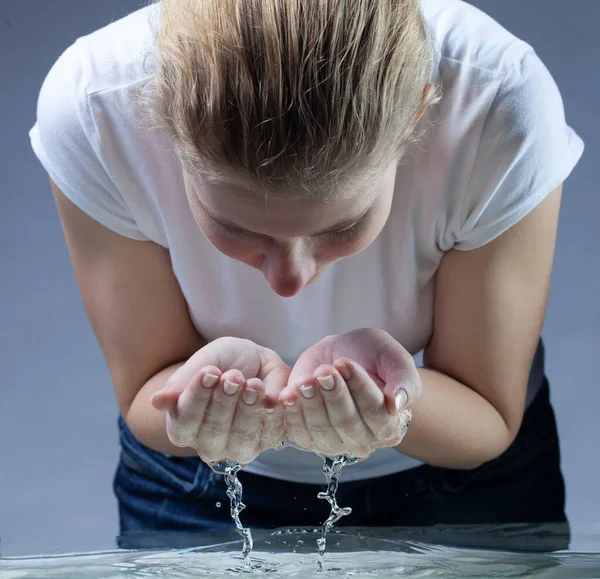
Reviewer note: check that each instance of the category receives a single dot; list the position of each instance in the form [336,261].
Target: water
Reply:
[229,470]
[332,468]
[288,554]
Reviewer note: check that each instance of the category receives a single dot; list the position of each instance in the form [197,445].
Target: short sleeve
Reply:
[526,151]
[64,141]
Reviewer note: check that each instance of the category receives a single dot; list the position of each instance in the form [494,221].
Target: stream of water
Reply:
[332,469]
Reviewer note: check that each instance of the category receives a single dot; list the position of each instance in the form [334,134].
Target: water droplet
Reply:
[218,504]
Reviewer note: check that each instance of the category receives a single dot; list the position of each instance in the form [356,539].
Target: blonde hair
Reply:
[290,94]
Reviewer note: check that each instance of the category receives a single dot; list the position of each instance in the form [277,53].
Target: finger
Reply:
[246,428]
[214,431]
[185,418]
[166,399]
[295,424]
[302,372]
[274,382]
[324,436]
[367,396]
[273,432]
[342,411]
[209,355]
[397,369]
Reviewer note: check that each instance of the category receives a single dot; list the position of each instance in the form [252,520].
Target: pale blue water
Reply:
[292,553]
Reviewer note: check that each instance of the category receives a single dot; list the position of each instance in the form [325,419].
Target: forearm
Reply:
[453,426]
[147,423]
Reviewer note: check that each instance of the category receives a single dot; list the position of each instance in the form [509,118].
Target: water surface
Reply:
[292,553]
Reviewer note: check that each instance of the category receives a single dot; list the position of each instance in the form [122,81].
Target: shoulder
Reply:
[119,54]
[87,133]
[462,36]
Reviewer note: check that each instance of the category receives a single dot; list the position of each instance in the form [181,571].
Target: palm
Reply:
[252,360]
[372,348]
[224,417]
[347,394]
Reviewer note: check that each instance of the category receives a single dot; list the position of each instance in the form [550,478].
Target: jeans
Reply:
[157,492]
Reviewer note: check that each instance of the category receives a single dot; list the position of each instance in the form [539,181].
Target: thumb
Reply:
[166,399]
[396,367]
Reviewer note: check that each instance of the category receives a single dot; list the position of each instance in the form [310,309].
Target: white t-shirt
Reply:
[496,145]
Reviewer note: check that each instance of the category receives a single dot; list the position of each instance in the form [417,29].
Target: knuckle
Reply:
[222,403]
[335,395]
[246,456]
[209,455]
[364,451]
[239,439]
[350,426]
[371,414]
[320,429]
[179,434]
[211,431]
[179,439]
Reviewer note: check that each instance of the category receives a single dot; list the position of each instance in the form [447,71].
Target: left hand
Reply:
[349,394]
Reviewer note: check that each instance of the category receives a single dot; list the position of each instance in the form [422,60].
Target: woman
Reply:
[270,208]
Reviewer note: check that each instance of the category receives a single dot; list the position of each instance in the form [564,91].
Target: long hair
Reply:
[290,94]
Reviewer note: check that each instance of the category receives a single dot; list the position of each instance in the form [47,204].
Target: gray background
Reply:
[58,440]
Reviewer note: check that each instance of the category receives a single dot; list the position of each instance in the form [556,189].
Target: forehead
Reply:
[276,216]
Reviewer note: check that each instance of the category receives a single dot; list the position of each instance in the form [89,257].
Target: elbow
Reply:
[495,448]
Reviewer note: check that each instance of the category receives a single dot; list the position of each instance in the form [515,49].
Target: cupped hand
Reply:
[350,394]
[224,401]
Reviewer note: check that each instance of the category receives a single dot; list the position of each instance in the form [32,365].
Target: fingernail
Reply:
[400,398]
[308,390]
[250,397]
[289,402]
[209,380]
[345,371]
[326,382]
[230,387]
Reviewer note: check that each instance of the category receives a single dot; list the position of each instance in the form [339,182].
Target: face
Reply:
[291,241]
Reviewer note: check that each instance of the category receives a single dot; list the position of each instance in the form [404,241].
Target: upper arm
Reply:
[490,305]
[132,299]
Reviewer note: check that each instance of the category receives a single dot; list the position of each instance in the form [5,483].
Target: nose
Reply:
[288,269]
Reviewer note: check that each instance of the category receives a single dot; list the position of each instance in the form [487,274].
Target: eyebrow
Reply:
[339,226]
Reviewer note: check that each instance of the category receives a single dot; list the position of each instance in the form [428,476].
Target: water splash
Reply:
[229,469]
[332,468]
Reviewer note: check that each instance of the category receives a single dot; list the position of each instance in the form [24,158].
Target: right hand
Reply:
[220,426]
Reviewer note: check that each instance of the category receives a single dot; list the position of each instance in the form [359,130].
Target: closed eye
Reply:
[235,232]
[347,233]
[337,236]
